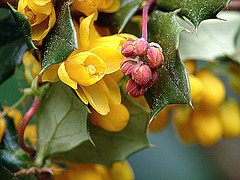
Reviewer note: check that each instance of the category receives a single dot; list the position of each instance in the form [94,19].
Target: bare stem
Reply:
[144,18]
[24,123]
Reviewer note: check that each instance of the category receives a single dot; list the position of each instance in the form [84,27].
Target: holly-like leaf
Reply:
[62,122]
[172,86]
[215,38]
[118,20]
[195,10]
[61,40]
[113,146]
[25,26]
[12,47]
[12,157]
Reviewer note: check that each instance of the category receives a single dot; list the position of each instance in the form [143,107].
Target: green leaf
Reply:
[113,146]
[172,86]
[25,26]
[195,10]
[215,38]
[118,20]
[12,47]
[62,122]
[61,40]
[12,157]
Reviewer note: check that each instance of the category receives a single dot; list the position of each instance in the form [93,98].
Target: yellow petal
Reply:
[51,74]
[88,32]
[46,8]
[81,95]
[114,42]
[30,133]
[125,35]
[85,7]
[122,171]
[110,56]
[113,8]
[85,68]
[2,128]
[41,30]
[114,90]
[97,98]
[63,75]
[116,120]
[105,4]
[117,76]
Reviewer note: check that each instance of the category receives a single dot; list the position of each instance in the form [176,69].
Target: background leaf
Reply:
[61,40]
[118,20]
[12,157]
[172,86]
[25,26]
[195,10]
[12,47]
[113,146]
[62,122]
[215,38]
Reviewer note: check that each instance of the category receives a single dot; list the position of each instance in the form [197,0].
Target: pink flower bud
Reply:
[141,74]
[135,90]
[140,47]
[127,49]
[155,57]
[126,69]
[154,78]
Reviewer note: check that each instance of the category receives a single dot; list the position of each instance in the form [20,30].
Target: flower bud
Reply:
[140,47]
[155,57]
[127,49]
[126,69]
[141,73]
[154,78]
[134,89]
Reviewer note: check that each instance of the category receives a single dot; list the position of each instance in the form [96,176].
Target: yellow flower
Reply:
[88,69]
[41,15]
[87,171]
[16,115]
[30,133]
[29,61]
[89,7]
[2,128]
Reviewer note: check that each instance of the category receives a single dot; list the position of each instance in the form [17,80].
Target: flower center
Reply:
[91,69]
[31,16]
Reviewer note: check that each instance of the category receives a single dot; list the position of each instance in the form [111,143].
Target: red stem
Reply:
[23,125]
[145,17]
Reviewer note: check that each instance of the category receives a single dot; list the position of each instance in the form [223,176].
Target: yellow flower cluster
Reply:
[212,118]
[87,171]
[91,70]
[30,132]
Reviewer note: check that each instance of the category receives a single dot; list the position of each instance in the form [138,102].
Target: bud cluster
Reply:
[141,64]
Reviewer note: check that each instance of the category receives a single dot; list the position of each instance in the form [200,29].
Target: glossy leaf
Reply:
[12,47]
[113,146]
[12,157]
[195,10]
[118,20]
[62,122]
[61,40]
[25,26]
[172,86]
[215,38]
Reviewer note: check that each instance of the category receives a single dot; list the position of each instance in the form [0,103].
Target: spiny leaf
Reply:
[25,26]
[172,86]
[195,10]
[61,40]
[12,47]
[118,20]
[215,38]
[62,122]
[113,146]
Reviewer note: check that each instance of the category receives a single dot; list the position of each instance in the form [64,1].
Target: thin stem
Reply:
[4,113]
[24,123]
[144,18]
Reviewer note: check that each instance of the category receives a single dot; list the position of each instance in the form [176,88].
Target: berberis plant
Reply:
[103,72]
